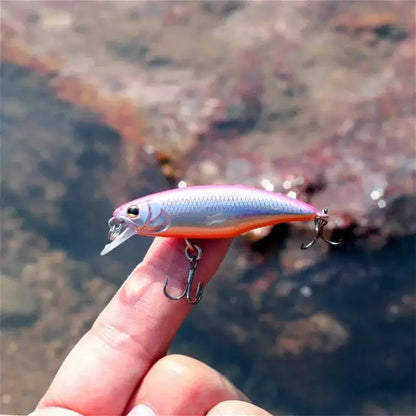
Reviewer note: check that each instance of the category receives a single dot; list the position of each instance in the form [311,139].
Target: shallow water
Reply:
[315,332]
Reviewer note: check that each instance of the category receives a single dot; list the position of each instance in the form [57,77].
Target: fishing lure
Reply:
[208,212]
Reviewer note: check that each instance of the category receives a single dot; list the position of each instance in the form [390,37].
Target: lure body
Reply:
[205,212]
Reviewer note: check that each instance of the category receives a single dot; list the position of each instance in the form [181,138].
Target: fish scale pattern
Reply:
[231,202]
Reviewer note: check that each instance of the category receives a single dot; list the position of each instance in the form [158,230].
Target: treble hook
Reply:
[115,228]
[194,260]
[320,222]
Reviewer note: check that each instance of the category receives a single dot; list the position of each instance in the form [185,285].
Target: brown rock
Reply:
[318,333]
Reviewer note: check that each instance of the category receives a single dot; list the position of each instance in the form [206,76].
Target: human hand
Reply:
[120,365]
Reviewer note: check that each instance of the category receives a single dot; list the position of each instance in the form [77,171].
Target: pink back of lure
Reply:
[205,212]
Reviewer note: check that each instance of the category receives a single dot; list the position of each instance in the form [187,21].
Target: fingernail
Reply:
[141,410]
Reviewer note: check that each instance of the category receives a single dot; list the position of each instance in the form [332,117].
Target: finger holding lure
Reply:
[208,212]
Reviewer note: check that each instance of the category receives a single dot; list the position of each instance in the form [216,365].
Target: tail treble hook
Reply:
[321,221]
[194,260]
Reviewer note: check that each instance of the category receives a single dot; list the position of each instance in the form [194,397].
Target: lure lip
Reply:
[121,238]
[121,229]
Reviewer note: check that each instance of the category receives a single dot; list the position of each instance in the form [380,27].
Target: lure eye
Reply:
[132,211]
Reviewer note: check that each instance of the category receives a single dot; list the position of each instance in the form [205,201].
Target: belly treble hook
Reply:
[193,253]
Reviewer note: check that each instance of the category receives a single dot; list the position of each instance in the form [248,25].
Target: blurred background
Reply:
[102,102]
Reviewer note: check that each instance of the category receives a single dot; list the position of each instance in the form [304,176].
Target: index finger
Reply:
[132,332]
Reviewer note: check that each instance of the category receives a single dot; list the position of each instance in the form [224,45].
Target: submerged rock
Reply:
[18,304]
[317,333]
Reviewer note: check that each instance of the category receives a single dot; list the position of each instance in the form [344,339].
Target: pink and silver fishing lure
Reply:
[208,212]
